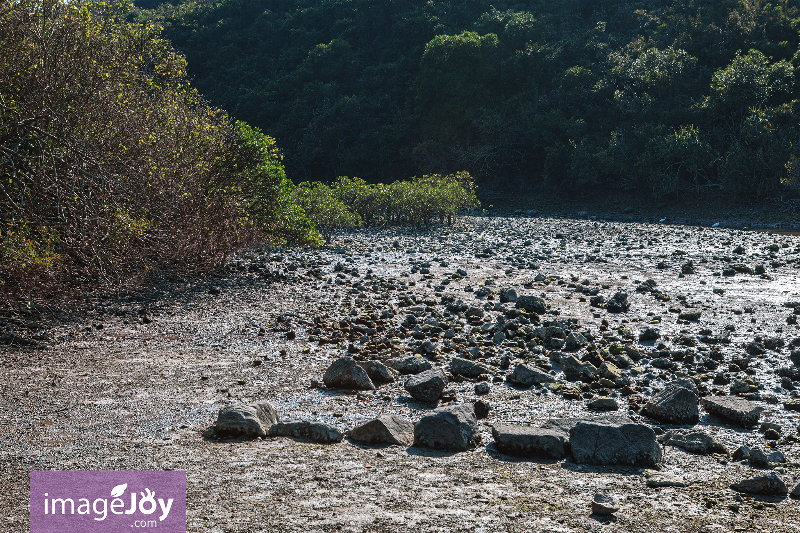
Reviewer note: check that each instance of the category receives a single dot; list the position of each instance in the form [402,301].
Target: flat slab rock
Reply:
[693,441]
[768,485]
[314,431]
[452,428]
[733,409]
[467,368]
[524,441]
[614,442]
[386,429]
[252,420]
[526,376]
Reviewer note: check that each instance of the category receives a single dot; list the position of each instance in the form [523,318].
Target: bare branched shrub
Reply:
[110,164]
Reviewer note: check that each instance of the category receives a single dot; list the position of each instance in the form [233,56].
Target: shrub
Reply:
[110,164]
[326,211]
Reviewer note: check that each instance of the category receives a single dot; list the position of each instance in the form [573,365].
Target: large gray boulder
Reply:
[467,368]
[531,304]
[386,429]
[524,441]
[614,442]
[576,370]
[452,428]
[767,485]
[344,373]
[733,409]
[252,420]
[302,429]
[427,386]
[674,405]
[378,373]
[527,376]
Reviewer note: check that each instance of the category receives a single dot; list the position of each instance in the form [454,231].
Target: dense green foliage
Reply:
[419,201]
[666,96]
[111,165]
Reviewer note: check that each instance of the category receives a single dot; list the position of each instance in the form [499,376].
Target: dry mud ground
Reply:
[137,382]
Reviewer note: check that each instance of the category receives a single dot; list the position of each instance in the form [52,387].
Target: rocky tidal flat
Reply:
[502,374]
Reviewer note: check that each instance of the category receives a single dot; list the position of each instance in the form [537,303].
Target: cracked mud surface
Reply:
[142,391]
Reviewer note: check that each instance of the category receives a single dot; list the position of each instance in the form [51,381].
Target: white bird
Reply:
[715,225]
[663,219]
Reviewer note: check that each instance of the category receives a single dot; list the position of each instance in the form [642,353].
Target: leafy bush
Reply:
[110,164]
[326,211]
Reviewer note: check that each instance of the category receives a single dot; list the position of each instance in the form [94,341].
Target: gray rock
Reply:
[649,334]
[508,295]
[523,441]
[693,441]
[386,429]
[740,453]
[252,420]
[618,303]
[732,408]
[604,504]
[603,403]
[344,373]
[531,304]
[467,368]
[482,389]
[795,492]
[575,341]
[409,365]
[776,457]
[302,429]
[614,442]
[378,373]
[576,370]
[758,458]
[527,376]
[674,405]
[498,338]
[481,409]
[452,428]
[427,386]
[768,485]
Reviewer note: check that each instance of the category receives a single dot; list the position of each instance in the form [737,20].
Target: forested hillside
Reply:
[667,97]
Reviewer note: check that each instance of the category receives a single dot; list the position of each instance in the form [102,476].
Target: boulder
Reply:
[531,304]
[692,441]
[614,442]
[452,428]
[527,376]
[409,365]
[386,429]
[427,386]
[252,420]
[508,295]
[674,405]
[344,373]
[732,408]
[618,303]
[524,441]
[576,370]
[467,368]
[379,373]
[768,485]
[302,429]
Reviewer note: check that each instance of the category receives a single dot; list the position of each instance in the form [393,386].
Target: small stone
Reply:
[772,434]
[741,453]
[604,504]
[482,389]
[532,304]
[467,368]
[656,479]
[526,376]
[758,458]
[795,492]
[409,365]
[603,403]
[481,409]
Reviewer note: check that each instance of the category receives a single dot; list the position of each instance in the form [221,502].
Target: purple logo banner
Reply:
[108,501]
